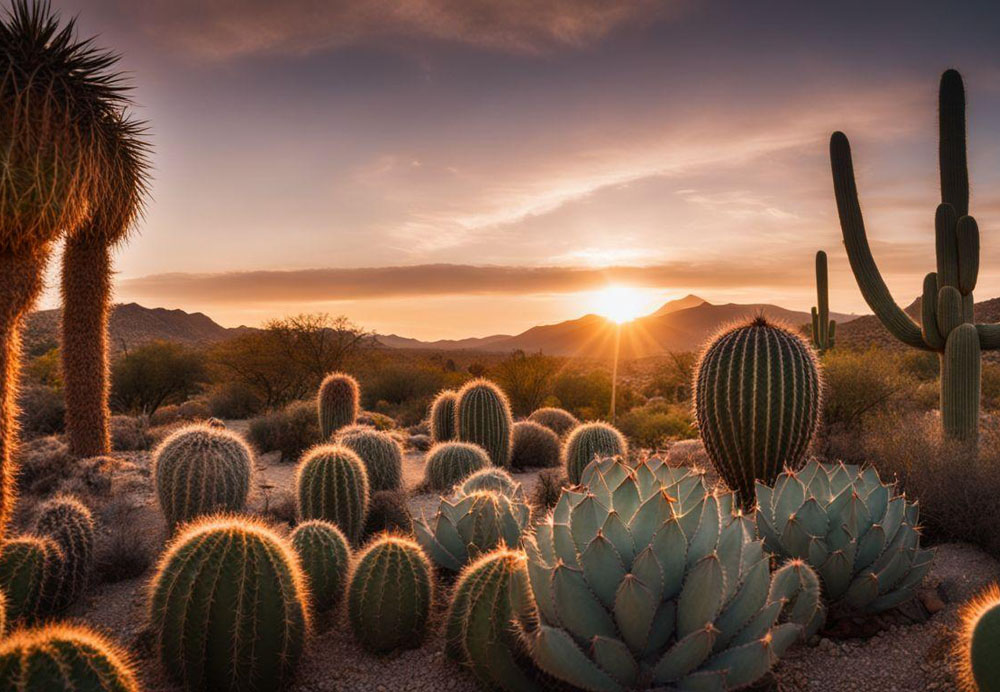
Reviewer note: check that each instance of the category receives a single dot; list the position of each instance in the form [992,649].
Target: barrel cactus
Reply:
[325,557]
[229,606]
[338,403]
[533,445]
[380,453]
[482,416]
[201,470]
[390,594]
[589,441]
[68,523]
[387,512]
[492,479]
[467,526]
[977,645]
[449,463]
[30,567]
[645,579]
[443,416]
[757,400]
[859,535]
[559,421]
[61,657]
[332,484]
[491,594]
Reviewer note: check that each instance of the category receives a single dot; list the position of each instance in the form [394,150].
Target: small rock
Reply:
[931,600]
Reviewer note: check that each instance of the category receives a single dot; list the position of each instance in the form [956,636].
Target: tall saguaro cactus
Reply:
[947,321]
[823,328]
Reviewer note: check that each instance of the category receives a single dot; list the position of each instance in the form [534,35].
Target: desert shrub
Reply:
[921,365]
[653,425]
[990,387]
[130,433]
[155,374]
[958,488]
[291,431]
[859,384]
[194,409]
[45,369]
[397,384]
[123,551]
[526,379]
[672,378]
[376,420]
[534,445]
[43,411]
[43,464]
[233,401]
[165,415]
[585,395]
[547,490]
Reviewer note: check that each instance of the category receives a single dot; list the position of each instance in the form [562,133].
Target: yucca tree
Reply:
[86,283]
[56,94]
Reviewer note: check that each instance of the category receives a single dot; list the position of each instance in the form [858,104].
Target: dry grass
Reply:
[547,490]
[124,553]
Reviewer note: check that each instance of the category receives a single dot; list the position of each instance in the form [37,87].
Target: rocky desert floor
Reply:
[905,650]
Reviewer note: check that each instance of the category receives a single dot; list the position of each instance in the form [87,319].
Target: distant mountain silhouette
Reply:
[688,301]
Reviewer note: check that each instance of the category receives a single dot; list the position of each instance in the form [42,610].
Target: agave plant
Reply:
[470,524]
[645,579]
[852,528]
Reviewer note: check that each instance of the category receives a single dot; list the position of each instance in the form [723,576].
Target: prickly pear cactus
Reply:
[29,572]
[68,523]
[199,470]
[229,606]
[588,441]
[332,484]
[443,416]
[448,463]
[338,403]
[977,644]
[325,556]
[390,594]
[380,453]
[482,416]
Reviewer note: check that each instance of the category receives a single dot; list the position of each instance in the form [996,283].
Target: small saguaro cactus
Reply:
[588,441]
[443,416]
[482,416]
[977,644]
[326,558]
[29,572]
[757,401]
[332,484]
[490,595]
[381,454]
[201,470]
[947,324]
[68,523]
[823,328]
[557,420]
[390,594]
[338,403]
[229,606]
[448,463]
[63,657]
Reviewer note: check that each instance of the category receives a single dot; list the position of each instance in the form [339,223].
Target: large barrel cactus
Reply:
[977,645]
[443,416]
[229,606]
[534,445]
[590,441]
[757,399]
[68,523]
[559,421]
[381,454]
[467,526]
[492,479]
[325,557]
[482,417]
[448,463]
[63,658]
[30,567]
[338,403]
[390,594]
[332,484]
[860,536]
[645,579]
[491,594]
[201,470]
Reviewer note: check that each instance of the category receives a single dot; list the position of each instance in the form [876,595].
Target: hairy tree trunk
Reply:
[86,289]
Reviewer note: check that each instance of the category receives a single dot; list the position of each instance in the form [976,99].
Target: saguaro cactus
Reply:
[823,328]
[948,324]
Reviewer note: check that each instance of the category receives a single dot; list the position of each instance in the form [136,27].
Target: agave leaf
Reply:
[783,636]
[703,681]
[729,551]
[613,656]
[543,542]
[858,519]
[890,600]
[646,481]
[767,532]
[568,499]
[753,552]
[615,531]
[685,656]
[670,548]
[576,606]
[897,568]
[862,591]
[837,508]
[841,478]
[894,514]
[760,624]
[649,518]
[869,548]
[836,574]
[647,569]
[625,500]
[436,550]
[599,487]
[662,628]
[744,664]
[555,652]
[565,547]
[839,537]
[764,500]
[635,607]
[913,514]
[795,539]
[819,485]
[786,501]
[706,537]
[869,477]
[877,502]
[749,599]
[808,473]
[691,518]
[818,552]
[540,578]
[586,519]
[602,568]
[701,596]
[813,518]
[691,488]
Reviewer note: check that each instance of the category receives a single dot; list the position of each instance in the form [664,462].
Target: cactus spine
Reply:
[380,453]
[390,594]
[823,328]
[948,324]
[229,606]
[482,416]
[29,572]
[443,416]
[490,594]
[70,525]
[332,484]
[325,557]
[201,470]
[588,441]
[63,657]
[338,403]
[449,463]
[977,645]
[757,400]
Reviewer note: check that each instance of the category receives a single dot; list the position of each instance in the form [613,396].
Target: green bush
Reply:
[653,425]
[861,384]
[154,375]
[233,401]
[291,431]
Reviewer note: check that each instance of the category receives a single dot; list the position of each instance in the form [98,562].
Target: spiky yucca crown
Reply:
[58,94]
[977,642]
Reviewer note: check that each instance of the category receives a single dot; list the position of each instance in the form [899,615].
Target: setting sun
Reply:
[619,303]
